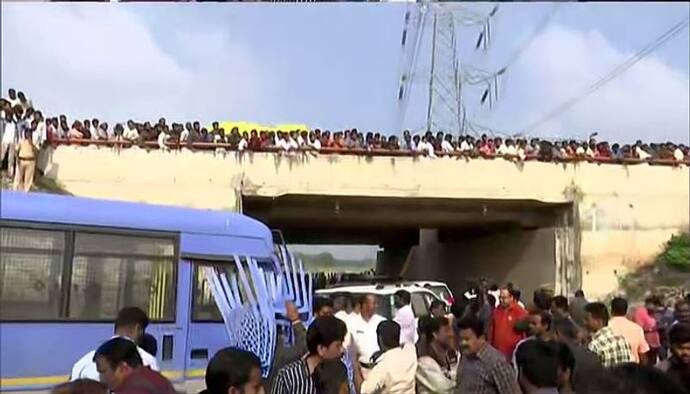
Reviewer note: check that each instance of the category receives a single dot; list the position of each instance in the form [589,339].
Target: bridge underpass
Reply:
[452,240]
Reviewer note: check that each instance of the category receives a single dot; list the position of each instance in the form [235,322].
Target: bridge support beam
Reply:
[392,260]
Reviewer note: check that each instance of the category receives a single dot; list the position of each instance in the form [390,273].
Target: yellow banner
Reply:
[249,126]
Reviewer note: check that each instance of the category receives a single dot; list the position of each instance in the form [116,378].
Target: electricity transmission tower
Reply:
[447,76]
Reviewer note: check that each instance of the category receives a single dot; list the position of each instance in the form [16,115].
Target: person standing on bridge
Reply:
[502,333]
[26,164]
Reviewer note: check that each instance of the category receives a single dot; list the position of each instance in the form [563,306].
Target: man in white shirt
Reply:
[510,149]
[94,129]
[404,316]
[39,134]
[678,154]
[8,144]
[314,142]
[502,148]
[396,368]
[426,147]
[130,133]
[162,139]
[466,145]
[363,330]
[446,146]
[641,152]
[341,305]
[580,151]
[244,142]
[302,139]
[520,150]
[184,134]
[414,144]
[292,143]
[130,324]
[13,98]
[24,102]
[281,142]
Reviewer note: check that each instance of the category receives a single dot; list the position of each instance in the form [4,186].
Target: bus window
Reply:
[31,264]
[204,306]
[110,272]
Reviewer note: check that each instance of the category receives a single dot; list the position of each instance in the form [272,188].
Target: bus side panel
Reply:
[41,355]
[205,339]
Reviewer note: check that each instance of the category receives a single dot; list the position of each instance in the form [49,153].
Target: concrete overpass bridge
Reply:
[564,225]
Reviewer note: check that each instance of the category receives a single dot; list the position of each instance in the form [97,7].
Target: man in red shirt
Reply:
[120,366]
[502,333]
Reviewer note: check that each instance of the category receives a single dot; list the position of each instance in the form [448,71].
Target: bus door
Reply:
[206,330]
[207,333]
[170,335]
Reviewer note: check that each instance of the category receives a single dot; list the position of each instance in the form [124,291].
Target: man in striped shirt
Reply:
[324,343]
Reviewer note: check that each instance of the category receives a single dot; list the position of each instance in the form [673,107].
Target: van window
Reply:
[420,307]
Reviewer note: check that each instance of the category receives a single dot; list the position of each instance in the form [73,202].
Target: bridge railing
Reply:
[213,146]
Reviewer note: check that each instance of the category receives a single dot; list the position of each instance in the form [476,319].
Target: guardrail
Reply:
[205,146]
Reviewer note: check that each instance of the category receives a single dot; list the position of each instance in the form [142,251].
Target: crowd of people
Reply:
[488,343]
[20,120]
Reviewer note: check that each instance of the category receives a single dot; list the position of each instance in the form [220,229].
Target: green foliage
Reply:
[326,262]
[676,253]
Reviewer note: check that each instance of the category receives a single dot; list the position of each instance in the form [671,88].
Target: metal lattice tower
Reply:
[447,75]
[444,109]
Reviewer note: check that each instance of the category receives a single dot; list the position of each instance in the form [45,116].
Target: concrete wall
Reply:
[625,212]
[526,258]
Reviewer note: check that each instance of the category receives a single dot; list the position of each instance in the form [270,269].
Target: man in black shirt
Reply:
[678,365]
[586,362]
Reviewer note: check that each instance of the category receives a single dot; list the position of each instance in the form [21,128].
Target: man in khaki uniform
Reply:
[26,165]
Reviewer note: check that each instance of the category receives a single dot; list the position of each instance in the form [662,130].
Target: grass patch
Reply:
[42,184]
[666,276]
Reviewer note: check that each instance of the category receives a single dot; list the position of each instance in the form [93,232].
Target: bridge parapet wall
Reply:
[625,212]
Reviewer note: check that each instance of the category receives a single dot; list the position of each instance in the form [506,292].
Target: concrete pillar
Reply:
[428,237]
[392,259]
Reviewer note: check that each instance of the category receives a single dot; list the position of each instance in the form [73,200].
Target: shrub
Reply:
[676,253]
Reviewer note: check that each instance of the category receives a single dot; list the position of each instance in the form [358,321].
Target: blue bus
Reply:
[68,264]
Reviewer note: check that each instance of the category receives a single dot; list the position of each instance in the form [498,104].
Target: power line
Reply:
[486,77]
[617,71]
[535,32]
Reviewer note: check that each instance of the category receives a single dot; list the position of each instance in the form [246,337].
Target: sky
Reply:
[337,65]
